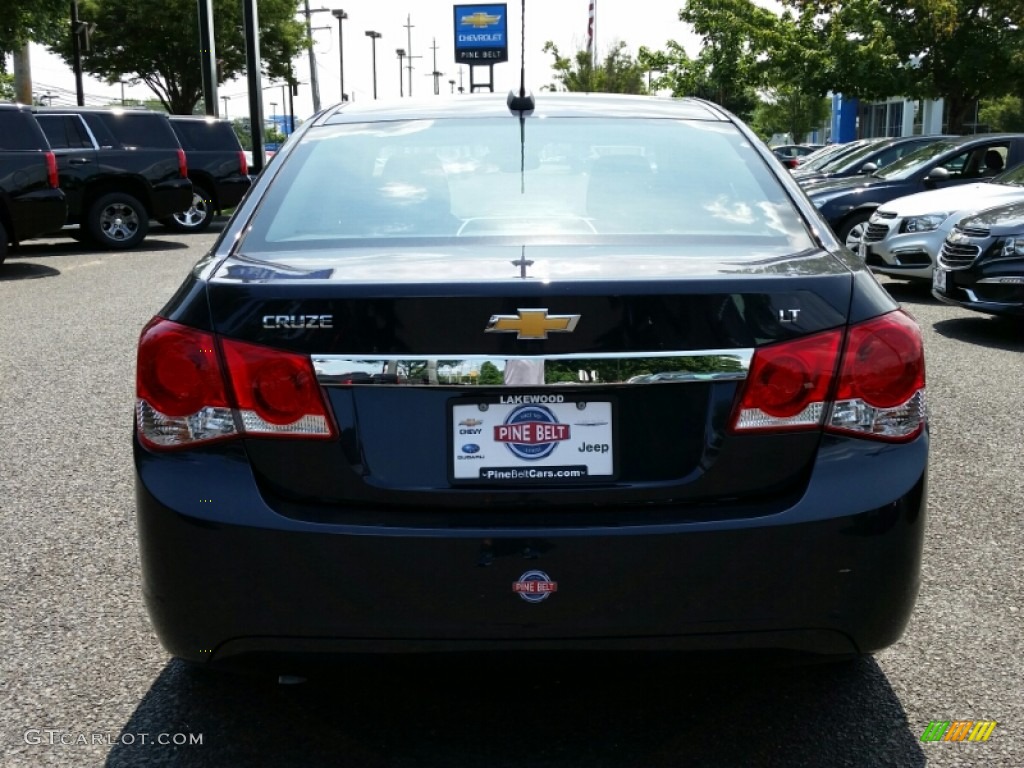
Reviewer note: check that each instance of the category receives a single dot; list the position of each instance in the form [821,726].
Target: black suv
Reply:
[217,167]
[118,168]
[31,203]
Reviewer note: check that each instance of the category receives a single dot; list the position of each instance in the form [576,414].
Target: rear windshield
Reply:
[206,135]
[142,130]
[19,131]
[561,179]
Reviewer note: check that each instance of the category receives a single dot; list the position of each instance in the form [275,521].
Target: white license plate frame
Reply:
[563,439]
[939,279]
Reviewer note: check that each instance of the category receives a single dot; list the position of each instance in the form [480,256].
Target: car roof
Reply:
[547,104]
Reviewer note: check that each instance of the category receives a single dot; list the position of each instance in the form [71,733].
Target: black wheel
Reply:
[852,230]
[198,217]
[117,220]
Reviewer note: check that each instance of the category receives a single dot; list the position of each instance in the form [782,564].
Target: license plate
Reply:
[863,251]
[530,439]
[939,280]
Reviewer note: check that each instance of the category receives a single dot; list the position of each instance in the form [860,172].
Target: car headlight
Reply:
[1012,248]
[925,223]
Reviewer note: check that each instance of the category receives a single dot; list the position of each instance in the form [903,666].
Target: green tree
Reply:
[1004,114]
[489,374]
[157,41]
[6,86]
[619,72]
[787,110]
[957,50]
[23,21]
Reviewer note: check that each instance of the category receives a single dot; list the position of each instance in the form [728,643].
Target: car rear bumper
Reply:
[227,580]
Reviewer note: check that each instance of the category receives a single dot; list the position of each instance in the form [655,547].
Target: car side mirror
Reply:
[869,168]
[938,174]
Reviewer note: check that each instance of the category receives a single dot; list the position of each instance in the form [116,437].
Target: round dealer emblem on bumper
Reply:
[535,586]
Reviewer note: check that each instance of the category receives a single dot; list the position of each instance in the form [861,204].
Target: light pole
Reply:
[401,56]
[340,15]
[225,100]
[273,113]
[452,84]
[374,37]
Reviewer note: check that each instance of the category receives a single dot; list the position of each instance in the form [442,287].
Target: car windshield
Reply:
[561,180]
[1014,176]
[853,159]
[910,164]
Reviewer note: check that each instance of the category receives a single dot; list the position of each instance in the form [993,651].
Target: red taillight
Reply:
[182,164]
[276,392]
[51,170]
[788,384]
[186,395]
[879,392]
[243,163]
[881,382]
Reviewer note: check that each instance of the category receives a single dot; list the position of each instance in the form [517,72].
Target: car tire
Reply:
[198,217]
[852,229]
[117,221]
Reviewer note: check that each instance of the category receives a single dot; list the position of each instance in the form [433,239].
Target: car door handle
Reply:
[79,161]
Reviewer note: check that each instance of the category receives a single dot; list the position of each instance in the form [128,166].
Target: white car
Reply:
[903,237]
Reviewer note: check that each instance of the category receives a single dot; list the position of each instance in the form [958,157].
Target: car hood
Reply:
[1001,221]
[971,197]
[821,190]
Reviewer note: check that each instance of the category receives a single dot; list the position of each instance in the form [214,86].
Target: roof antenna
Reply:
[522,101]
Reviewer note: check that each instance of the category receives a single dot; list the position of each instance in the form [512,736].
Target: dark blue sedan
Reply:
[573,372]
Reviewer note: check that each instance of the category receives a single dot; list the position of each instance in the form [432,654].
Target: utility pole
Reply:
[437,75]
[452,84]
[225,100]
[408,32]
[313,82]
[207,57]
[23,75]
[76,53]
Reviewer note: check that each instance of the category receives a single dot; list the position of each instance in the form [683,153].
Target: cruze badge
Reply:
[532,324]
[298,321]
[534,586]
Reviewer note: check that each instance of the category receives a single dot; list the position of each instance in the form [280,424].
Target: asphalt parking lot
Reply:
[84,682]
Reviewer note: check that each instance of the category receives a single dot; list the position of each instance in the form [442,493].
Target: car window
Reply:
[141,129]
[204,135]
[914,161]
[19,131]
[568,178]
[1014,175]
[65,131]
[986,160]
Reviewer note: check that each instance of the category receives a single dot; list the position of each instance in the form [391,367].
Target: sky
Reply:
[636,22]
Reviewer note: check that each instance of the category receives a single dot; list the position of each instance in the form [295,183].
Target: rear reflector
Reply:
[187,395]
[243,163]
[182,164]
[879,392]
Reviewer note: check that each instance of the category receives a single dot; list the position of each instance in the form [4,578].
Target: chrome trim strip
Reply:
[975,300]
[414,370]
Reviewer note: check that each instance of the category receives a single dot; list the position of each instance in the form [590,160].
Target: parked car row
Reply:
[948,212]
[102,175]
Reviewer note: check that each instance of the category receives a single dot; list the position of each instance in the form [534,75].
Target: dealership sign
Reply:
[481,34]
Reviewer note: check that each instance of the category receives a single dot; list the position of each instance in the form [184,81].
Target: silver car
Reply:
[903,237]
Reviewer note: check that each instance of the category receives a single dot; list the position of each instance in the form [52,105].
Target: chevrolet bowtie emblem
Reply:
[480,20]
[532,324]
